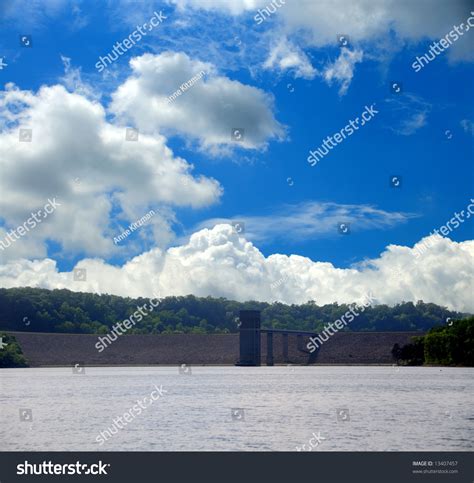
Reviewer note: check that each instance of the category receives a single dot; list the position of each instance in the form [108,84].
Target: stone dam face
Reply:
[41,349]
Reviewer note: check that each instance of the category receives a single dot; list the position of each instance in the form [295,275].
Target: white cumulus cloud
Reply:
[207,111]
[364,20]
[221,263]
[99,178]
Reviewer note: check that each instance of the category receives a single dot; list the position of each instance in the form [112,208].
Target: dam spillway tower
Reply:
[250,346]
[250,341]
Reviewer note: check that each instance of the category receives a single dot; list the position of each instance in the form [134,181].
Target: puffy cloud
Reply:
[221,103]
[363,20]
[218,262]
[98,177]
[286,56]
[342,69]
[371,20]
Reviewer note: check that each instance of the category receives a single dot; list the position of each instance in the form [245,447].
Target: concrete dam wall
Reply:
[42,349]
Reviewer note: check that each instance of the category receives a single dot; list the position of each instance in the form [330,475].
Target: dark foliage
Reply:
[40,310]
[451,345]
[11,354]
[410,354]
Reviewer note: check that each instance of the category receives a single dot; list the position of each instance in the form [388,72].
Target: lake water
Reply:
[354,408]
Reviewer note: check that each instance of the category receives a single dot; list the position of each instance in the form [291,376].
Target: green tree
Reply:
[11,354]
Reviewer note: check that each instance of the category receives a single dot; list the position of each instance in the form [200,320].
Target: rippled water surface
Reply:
[234,408]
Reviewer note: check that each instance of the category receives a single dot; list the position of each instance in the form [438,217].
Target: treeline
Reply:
[451,345]
[11,354]
[40,310]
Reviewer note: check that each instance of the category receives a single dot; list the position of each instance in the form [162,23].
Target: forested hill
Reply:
[40,310]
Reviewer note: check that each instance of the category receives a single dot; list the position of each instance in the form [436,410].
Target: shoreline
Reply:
[43,349]
[62,366]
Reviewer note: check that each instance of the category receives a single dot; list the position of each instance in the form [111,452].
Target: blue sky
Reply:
[424,134]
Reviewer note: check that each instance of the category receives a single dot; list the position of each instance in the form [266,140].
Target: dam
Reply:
[252,346]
